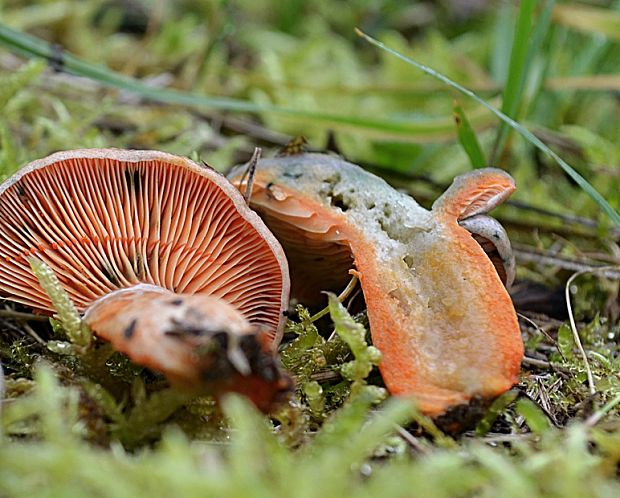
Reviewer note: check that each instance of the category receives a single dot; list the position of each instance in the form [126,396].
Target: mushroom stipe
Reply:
[162,255]
[437,308]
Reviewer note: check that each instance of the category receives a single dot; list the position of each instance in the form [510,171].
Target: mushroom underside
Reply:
[316,265]
[107,219]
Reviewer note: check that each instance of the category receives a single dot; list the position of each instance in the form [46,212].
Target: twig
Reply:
[19,315]
[565,218]
[250,173]
[325,376]
[550,323]
[248,128]
[411,439]
[539,329]
[573,325]
[515,223]
[33,334]
[524,255]
[535,362]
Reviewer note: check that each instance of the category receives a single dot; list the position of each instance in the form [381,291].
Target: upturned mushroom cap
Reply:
[107,219]
[437,308]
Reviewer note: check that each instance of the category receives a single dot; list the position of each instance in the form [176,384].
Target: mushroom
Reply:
[436,305]
[163,256]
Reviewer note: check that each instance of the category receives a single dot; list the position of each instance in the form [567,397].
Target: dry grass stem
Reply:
[573,325]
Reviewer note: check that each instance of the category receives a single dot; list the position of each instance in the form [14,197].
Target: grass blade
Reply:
[517,70]
[534,417]
[524,132]
[526,43]
[468,138]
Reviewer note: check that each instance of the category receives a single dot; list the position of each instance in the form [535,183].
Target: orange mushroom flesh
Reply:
[436,305]
[164,256]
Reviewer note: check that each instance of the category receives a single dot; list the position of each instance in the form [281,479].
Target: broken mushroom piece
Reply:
[164,257]
[436,305]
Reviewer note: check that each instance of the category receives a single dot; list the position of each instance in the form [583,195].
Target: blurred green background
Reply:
[330,86]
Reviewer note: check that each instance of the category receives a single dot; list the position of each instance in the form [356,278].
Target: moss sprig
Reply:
[75,329]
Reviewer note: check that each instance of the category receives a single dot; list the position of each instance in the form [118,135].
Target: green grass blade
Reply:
[518,56]
[534,417]
[467,137]
[498,406]
[501,45]
[525,44]
[524,132]
[539,35]
[397,129]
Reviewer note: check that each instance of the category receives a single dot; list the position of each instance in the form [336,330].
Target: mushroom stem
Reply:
[445,331]
[161,330]
[199,342]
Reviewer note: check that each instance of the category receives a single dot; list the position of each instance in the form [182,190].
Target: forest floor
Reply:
[212,80]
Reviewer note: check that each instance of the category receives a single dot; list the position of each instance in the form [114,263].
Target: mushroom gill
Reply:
[106,220]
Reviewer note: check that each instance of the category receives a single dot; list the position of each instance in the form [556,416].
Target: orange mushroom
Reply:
[436,305]
[165,258]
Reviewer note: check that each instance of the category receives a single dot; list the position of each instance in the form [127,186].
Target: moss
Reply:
[76,331]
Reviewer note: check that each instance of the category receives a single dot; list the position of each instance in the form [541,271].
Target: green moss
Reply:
[338,460]
[76,331]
